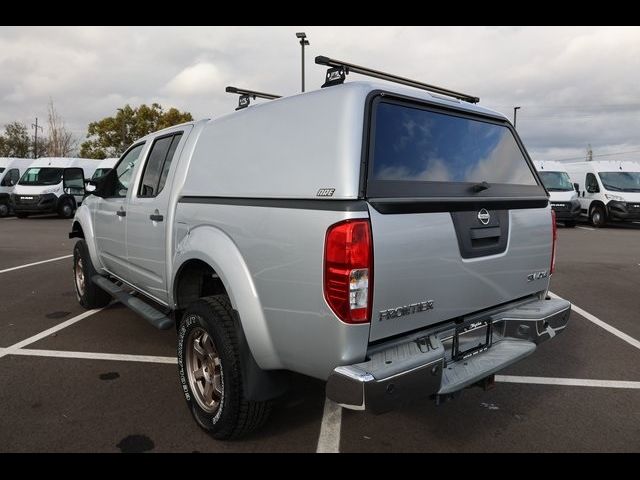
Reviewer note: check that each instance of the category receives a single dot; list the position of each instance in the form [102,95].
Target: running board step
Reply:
[466,372]
[146,311]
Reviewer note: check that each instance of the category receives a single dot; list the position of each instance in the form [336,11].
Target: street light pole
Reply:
[303,41]
[515,113]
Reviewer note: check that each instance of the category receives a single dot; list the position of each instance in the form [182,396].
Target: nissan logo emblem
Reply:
[483,216]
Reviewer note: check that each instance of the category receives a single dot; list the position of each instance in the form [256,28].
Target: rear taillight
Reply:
[555,241]
[348,270]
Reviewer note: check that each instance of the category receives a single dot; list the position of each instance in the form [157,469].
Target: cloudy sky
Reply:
[575,85]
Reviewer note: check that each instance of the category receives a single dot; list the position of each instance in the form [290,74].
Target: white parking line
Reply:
[95,356]
[586,228]
[35,263]
[573,382]
[13,348]
[592,318]
[329,439]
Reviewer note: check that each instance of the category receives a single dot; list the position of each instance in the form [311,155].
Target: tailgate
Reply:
[421,276]
[459,217]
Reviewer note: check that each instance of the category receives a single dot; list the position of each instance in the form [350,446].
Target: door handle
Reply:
[156,217]
[121,213]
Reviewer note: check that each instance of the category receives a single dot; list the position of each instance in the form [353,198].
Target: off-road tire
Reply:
[91,296]
[235,415]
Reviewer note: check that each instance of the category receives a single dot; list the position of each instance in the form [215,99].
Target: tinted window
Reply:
[556,181]
[11,177]
[167,163]
[125,169]
[42,176]
[74,181]
[158,164]
[416,145]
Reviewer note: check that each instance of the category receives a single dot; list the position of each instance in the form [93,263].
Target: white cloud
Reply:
[197,79]
[576,85]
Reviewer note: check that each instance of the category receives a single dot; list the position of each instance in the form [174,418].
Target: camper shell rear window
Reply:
[419,150]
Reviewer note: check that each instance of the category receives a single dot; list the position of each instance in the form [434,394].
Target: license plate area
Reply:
[471,339]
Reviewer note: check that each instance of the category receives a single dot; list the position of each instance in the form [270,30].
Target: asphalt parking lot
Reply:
[106,381]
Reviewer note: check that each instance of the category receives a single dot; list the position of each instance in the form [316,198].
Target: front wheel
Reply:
[598,216]
[89,295]
[66,209]
[4,209]
[210,371]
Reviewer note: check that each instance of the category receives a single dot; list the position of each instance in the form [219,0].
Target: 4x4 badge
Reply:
[483,216]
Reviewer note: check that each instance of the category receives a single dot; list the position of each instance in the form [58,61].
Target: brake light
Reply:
[348,270]
[554,228]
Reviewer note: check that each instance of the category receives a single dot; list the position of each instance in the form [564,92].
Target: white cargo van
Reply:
[608,190]
[10,171]
[103,167]
[562,193]
[52,185]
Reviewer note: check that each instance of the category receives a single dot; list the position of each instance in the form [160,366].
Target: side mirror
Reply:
[576,187]
[90,188]
[105,185]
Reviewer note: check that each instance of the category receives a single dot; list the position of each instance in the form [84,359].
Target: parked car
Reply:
[395,242]
[562,193]
[52,185]
[609,190]
[10,171]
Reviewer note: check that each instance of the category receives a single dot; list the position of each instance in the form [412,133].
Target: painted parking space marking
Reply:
[592,318]
[573,382]
[329,438]
[35,263]
[586,228]
[95,356]
[49,331]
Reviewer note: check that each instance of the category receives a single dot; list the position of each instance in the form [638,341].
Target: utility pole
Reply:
[515,113]
[303,41]
[124,133]
[35,141]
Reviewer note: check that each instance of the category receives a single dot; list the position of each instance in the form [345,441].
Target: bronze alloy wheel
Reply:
[204,370]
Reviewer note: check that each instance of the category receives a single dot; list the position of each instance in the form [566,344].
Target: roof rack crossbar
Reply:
[246,95]
[339,69]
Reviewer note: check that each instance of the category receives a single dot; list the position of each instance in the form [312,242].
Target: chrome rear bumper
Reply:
[424,366]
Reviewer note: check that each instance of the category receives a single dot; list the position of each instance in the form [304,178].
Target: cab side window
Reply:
[591,183]
[10,178]
[158,165]
[124,171]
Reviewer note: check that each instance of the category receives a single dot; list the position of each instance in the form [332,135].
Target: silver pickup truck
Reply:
[392,240]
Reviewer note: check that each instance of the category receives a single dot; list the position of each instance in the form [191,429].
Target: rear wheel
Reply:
[598,216]
[88,293]
[210,371]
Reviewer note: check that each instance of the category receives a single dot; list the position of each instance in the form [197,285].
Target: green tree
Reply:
[110,136]
[15,141]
